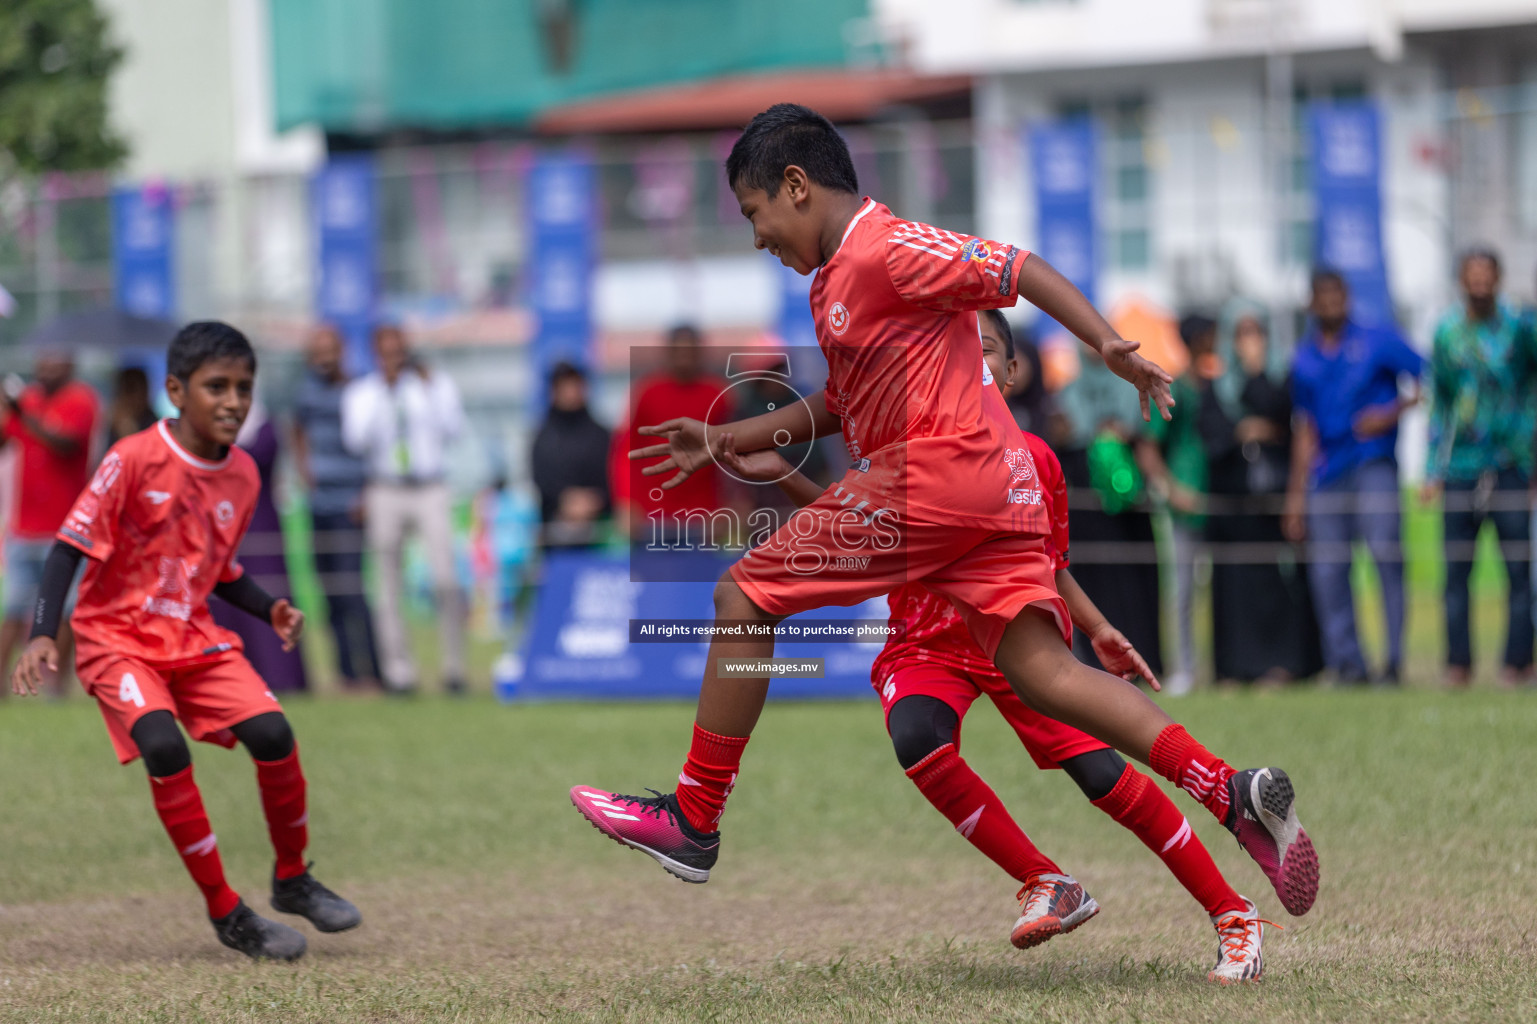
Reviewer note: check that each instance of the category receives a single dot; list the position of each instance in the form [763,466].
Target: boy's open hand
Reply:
[686,449]
[288,623]
[1151,380]
[1119,657]
[761,467]
[41,653]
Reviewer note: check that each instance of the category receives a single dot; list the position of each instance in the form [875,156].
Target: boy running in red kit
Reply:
[160,523]
[942,492]
[931,671]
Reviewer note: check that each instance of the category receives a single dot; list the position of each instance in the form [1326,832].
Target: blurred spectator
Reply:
[1181,481]
[334,478]
[1103,458]
[570,464]
[1262,615]
[1483,376]
[262,555]
[681,388]
[130,411]
[51,422]
[1029,400]
[401,418]
[1344,470]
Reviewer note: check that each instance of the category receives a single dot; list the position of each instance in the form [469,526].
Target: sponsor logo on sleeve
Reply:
[106,474]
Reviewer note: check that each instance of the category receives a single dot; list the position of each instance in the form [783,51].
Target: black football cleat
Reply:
[1263,816]
[258,938]
[305,896]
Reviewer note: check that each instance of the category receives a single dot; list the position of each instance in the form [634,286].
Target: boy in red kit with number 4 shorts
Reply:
[160,523]
[941,492]
[931,671]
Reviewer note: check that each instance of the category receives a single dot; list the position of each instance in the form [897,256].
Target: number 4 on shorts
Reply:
[128,690]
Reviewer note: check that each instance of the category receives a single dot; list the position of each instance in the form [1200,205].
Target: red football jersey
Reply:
[895,311]
[46,481]
[160,527]
[930,629]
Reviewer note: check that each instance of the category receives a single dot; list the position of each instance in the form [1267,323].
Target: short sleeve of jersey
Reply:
[92,524]
[77,417]
[1054,492]
[945,272]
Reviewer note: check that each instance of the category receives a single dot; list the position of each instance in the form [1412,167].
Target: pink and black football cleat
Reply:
[655,826]
[1263,816]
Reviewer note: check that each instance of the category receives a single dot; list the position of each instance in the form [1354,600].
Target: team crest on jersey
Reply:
[977,251]
[224,512]
[838,318]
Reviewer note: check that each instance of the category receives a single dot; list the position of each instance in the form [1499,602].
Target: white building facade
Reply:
[1204,190]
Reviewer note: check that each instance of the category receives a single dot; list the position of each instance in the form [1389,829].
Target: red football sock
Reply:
[707,777]
[1193,768]
[974,809]
[180,807]
[1142,807]
[282,788]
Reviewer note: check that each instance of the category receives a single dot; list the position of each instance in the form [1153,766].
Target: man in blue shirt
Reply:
[335,479]
[1344,479]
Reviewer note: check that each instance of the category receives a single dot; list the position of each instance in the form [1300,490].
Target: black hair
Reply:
[204,341]
[1478,252]
[1001,325]
[785,134]
[680,334]
[1194,327]
[1326,275]
[564,369]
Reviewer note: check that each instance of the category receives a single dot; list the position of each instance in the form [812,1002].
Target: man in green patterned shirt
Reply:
[1483,417]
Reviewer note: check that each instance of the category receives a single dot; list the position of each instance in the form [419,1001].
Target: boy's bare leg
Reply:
[1257,805]
[1046,676]
[730,705]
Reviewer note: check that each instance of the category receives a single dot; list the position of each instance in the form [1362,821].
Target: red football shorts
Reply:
[832,552]
[1048,740]
[207,697]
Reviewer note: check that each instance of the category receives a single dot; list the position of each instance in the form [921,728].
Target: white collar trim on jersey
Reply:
[869,205]
[186,456]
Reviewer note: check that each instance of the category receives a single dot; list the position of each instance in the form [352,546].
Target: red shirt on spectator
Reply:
[47,482]
[657,399]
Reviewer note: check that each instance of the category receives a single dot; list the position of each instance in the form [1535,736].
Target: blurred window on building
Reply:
[1526,149]
[1128,197]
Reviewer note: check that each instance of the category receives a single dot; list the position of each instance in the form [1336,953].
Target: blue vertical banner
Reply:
[562,220]
[1346,142]
[143,231]
[345,205]
[1064,164]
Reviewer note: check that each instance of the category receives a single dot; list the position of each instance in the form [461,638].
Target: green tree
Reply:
[55,59]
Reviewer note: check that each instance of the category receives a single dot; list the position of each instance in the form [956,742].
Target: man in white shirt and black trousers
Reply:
[400,419]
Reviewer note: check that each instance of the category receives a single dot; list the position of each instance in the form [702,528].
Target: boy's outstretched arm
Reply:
[768,466]
[1039,284]
[1115,652]
[690,444]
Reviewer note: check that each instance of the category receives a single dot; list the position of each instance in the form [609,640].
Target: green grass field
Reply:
[841,894]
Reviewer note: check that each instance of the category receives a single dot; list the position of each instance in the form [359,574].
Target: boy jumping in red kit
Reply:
[160,524]
[942,492]
[930,672]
